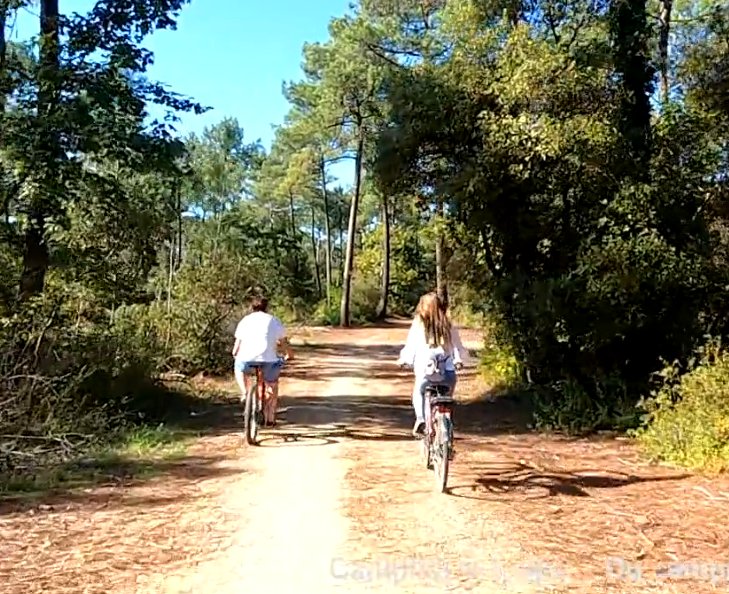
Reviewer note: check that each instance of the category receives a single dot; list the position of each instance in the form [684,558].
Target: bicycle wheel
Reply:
[250,416]
[425,451]
[442,452]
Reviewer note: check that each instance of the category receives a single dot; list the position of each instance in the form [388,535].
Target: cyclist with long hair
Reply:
[432,336]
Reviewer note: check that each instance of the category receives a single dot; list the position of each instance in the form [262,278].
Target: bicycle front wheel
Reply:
[425,451]
[250,417]
[442,452]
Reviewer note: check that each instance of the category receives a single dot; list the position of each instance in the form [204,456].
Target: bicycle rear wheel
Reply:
[250,416]
[441,462]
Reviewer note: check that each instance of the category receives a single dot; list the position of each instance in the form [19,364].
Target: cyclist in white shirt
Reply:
[258,338]
[431,335]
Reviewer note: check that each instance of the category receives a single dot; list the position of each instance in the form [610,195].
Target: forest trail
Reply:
[343,503]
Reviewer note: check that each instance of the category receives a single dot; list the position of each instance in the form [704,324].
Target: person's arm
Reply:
[238,338]
[283,341]
[460,353]
[407,353]
[285,346]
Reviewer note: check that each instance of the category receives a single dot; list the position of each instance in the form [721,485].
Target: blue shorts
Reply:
[449,379]
[271,369]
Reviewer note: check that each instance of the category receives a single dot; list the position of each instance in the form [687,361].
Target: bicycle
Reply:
[437,440]
[253,408]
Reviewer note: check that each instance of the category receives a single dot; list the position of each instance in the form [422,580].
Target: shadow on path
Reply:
[108,475]
[494,482]
[329,361]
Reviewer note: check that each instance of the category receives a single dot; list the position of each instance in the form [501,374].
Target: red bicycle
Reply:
[253,410]
[437,439]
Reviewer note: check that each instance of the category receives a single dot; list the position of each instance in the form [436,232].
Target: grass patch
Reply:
[154,441]
[133,454]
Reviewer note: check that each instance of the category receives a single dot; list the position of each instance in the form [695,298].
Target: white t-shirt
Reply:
[259,333]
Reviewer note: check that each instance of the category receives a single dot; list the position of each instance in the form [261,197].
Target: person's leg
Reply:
[418,407]
[271,373]
[241,379]
[451,380]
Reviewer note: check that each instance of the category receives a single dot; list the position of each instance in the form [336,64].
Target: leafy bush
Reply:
[577,407]
[499,366]
[467,307]
[687,419]
[363,305]
[564,404]
[327,314]
[65,381]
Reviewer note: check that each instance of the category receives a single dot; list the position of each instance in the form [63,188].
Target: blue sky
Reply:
[231,55]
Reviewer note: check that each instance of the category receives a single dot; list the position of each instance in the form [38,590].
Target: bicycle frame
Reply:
[435,408]
[261,385]
[437,450]
[438,439]
[254,405]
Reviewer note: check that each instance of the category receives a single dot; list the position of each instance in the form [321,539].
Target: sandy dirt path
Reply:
[336,499]
[345,506]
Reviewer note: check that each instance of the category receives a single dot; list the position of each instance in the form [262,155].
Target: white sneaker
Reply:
[419,428]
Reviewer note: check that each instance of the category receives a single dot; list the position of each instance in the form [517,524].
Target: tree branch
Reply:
[379,52]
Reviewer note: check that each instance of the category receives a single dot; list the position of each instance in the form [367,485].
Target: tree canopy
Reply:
[557,168]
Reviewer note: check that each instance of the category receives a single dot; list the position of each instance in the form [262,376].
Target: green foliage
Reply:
[687,419]
[411,265]
[592,224]
[365,294]
[134,452]
[88,195]
[498,364]
[585,231]
[581,407]
[63,374]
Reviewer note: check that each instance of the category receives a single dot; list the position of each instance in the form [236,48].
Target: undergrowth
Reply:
[687,420]
[136,453]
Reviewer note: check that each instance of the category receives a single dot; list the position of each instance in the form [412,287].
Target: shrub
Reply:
[499,366]
[687,419]
[66,382]
[327,314]
[578,407]
[363,305]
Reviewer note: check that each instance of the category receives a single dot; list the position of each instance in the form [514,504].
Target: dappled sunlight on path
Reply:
[336,499]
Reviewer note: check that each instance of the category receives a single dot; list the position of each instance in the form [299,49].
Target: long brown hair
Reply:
[433,314]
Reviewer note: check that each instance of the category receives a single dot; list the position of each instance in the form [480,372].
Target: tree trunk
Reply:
[664,19]
[385,281]
[629,37]
[292,214]
[6,195]
[341,244]
[315,252]
[441,280]
[179,226]
[36,256]
[3,52]
[327,229]
[351,232]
